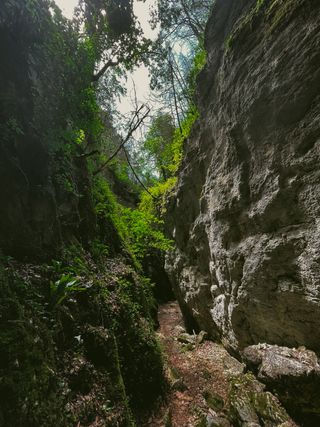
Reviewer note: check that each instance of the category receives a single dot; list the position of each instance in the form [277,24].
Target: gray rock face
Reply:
[246,213]
[294,374]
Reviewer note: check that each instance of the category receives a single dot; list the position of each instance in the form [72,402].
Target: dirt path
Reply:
[201,374]
[196,372]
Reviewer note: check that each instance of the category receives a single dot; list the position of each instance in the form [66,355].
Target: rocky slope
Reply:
[245,215]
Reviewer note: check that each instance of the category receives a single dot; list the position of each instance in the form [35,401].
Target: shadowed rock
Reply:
[294,374]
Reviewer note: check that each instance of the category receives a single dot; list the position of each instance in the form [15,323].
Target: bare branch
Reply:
[101,72]
[91,153]
[135,174]
[134,124]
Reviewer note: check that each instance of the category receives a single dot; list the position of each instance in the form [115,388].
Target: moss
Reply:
[140,354]
[167,419]
[250,403]
[274,12]
[280,11]
[268,408]
[214,401]
[29,389]
[94,354]
[245,25]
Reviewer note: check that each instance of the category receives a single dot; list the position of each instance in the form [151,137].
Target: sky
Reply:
[140,75]
[67,6]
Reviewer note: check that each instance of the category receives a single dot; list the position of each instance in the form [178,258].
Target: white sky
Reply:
[67,6]
[140,75]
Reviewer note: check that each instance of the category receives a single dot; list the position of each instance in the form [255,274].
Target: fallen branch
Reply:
[85,155]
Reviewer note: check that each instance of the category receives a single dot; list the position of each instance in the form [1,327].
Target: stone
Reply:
[185,338]
[179,330]
[201,337]
[213,400]
[215,420]
[274,362]
[294,374]
[178,385]
[251,405]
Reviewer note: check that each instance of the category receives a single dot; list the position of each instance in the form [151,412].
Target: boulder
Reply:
[294,374]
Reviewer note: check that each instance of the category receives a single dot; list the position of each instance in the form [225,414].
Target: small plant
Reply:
[99,249]
[60,289]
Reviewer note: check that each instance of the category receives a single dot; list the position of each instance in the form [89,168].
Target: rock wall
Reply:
[45,192]
[246,213]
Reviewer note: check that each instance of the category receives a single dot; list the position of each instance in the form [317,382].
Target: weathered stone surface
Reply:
[275,362]
[294,374]
[251,406]
[245,216]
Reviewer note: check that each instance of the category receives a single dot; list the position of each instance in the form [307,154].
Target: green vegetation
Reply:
[98,343]
[279,11]
[166,145]
[62,287]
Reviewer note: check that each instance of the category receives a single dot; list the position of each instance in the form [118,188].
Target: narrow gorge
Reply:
[160,267]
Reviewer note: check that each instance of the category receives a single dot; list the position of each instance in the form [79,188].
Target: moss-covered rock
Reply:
[250,404]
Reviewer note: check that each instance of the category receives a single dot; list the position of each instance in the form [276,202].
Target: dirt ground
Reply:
[198,374]
[207,386]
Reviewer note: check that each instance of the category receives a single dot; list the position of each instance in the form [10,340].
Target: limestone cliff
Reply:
[246,211]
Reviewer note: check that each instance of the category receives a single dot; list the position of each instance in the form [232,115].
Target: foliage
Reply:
[143,232]
[165,144]
[52,125]
[108,208]
[158,143]
[184,18]
[139,352]
[62,287]
[199,62]
[154,202]
[52,359]
[182,26]
[139,231]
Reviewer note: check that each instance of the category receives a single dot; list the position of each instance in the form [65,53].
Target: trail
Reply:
[207,386]
[198,375]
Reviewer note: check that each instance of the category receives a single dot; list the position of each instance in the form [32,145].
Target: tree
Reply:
[158,143]
[182,24]
[183,18]
[114,34]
